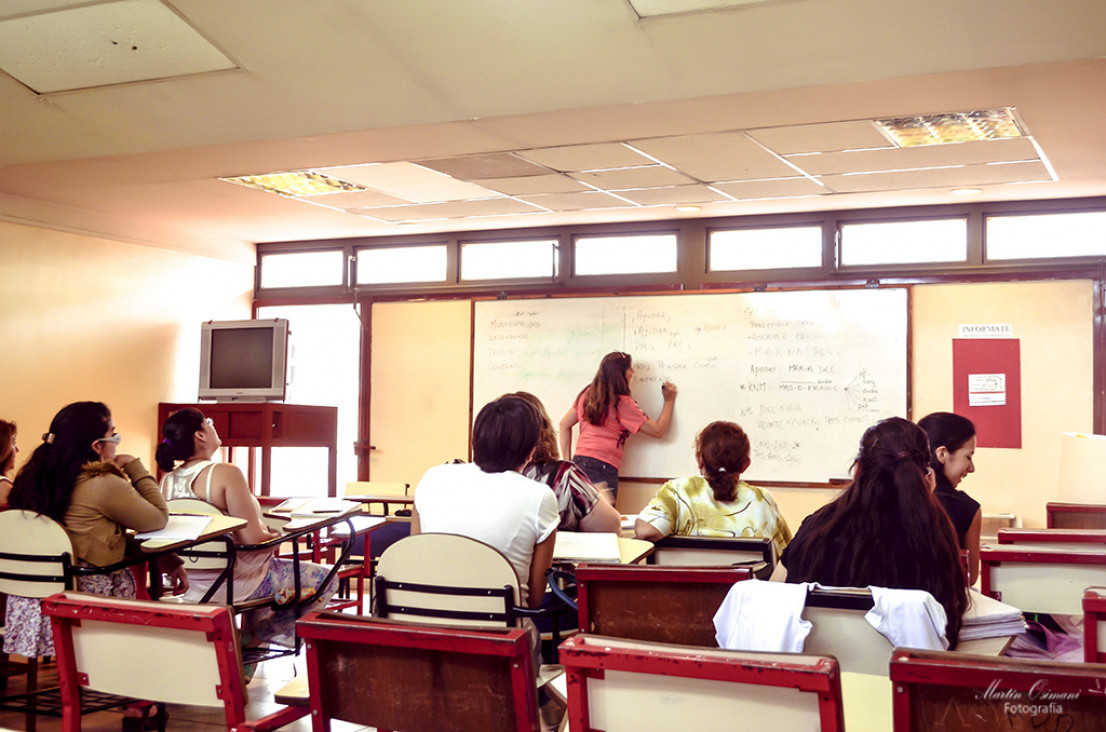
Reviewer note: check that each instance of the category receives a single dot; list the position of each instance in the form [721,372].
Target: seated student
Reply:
[718,502]
[190,441]
[952,445]
[886,528]
[489,500]
[76,478]
[581,506]
[8,451]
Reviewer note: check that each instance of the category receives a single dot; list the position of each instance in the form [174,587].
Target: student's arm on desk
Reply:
[645,530]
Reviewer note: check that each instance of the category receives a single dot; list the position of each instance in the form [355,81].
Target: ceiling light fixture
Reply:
[299,183]
[942,129]
[688,209]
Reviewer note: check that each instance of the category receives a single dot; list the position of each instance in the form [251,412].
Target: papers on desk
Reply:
[628,521]
[179,528]
[575,546]
[989,618]
[315,507]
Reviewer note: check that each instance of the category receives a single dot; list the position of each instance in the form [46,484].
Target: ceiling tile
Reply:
[674,196]
[651,176]
[104,44]
[749,190]
[827,137]
[964,153]
[970,175]
[533,184]
[574,158]
[493,165]
[450,210]
[715,156]
[355,199]
[576,201]
[409,181]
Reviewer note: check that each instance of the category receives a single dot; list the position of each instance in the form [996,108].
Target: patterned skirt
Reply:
[27,631]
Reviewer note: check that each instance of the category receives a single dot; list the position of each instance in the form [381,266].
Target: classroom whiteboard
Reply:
[803,372]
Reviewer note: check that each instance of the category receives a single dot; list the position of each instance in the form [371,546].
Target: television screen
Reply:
[243,360]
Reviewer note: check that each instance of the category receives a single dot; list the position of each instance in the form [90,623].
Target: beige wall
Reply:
[420,388]
[92,319]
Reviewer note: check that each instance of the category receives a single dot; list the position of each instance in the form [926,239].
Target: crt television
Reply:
[243,360]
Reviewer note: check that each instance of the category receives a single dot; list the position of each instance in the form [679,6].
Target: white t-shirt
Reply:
[506,510]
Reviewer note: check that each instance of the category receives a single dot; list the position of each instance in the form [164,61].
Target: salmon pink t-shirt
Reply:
[604,441]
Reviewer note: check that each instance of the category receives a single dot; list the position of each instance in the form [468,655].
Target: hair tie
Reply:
[48,438]
[167,441]
[720,470]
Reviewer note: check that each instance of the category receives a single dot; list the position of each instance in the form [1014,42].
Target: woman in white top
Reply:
[190,441]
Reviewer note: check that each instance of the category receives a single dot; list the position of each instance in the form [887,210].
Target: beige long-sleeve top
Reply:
[106,502]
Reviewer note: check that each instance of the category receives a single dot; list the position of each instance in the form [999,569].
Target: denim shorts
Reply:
[598,471]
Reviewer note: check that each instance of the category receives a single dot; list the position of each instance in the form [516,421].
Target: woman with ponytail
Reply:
[76,478]
[886,528]
[716,503]
[190,442]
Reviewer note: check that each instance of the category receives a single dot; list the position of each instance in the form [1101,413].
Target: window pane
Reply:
[597,255]
[895,242]
[302,269]
[377,266]
[775,248]
[509,259]
[1046,235]
[324,347]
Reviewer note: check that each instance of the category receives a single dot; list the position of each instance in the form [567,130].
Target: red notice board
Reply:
[987,390]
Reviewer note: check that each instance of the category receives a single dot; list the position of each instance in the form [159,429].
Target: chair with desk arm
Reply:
[651,603]
[418,677]
[179,654]
[220,555]
[619,685]
[446,579]
[36,561]
[695,551]
[960,691]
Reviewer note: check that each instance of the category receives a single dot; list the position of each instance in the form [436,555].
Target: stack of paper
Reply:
[315,507]
[989,618]
[573,546]
[179,528]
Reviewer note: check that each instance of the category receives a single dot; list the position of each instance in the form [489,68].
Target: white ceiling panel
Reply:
[576,158]
[751,190]
[970,175]
[828,137]
[408,181]
[1018,149]
[576,201]
[715,156]
[652,176]
[675,196]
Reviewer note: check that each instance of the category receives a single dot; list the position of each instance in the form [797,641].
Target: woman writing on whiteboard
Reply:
[607,415]
[717,502]
[952,444]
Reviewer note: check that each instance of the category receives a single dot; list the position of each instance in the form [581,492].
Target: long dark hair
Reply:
[948,430]
[608,385]
[178,437]
[7,446]
[45,482]
[886,528]
[722,449]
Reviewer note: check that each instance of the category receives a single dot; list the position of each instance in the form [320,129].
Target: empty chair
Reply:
[650,603]
[418,678]
[620,685]
[1040,580]
[178,654]
[954,691]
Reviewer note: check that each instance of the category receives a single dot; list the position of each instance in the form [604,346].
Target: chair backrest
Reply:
[650,603]
[616,684]
[185,654]
[692,551]
[445,579]
[839,629]
[1040,580]
[1094,625]
[943,690]
[210,554]
[1075,515]
[1082,540]
[416,677]
[35,555]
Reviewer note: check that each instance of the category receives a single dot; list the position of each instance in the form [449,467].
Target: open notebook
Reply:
[577,546]
[179,528]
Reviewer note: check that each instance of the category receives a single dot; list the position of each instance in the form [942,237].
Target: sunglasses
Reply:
[115,439]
